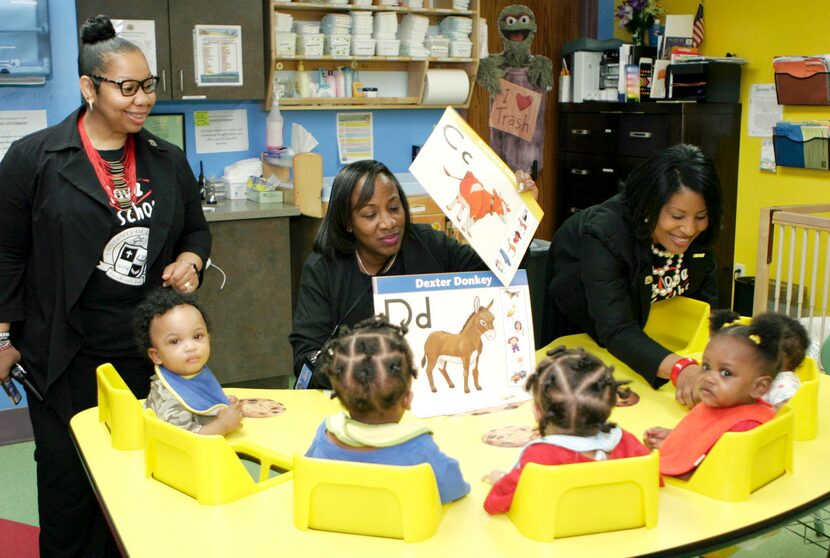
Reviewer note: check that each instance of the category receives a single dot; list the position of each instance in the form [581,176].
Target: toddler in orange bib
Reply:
[739,365]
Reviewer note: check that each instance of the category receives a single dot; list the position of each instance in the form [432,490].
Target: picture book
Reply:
[471,337]
[477,192]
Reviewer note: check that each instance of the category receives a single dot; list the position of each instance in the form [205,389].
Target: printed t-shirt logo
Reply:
[125,256]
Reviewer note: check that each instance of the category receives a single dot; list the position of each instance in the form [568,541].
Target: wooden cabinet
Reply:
[174,24]
[414,69]
[602,142]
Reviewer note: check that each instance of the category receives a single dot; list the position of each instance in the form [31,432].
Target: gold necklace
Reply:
[366,272]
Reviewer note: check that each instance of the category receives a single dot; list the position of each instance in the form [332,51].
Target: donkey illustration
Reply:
[466,345]
[476,201]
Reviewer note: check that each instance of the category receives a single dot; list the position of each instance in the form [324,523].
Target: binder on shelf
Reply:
[803,145]
[802,80]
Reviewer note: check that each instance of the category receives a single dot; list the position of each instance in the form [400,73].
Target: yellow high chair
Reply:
[207,467]
[119,409]
[553,502]
[805,401]
[680,324]
[742,462]
[399,502]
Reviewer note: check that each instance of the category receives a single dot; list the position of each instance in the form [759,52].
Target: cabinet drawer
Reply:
[588,180]
[641,135]
[589,133]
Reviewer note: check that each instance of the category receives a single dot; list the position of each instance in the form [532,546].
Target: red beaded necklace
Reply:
[117,178]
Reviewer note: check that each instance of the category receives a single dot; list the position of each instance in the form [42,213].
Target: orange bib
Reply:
[694,436]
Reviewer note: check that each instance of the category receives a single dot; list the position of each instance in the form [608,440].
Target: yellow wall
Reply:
[759,30]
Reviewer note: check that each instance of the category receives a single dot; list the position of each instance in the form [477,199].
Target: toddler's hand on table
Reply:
[231,417]
[654,436]
[493,476]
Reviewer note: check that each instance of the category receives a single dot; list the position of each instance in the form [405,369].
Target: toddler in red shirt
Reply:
[739,363]
[573,395]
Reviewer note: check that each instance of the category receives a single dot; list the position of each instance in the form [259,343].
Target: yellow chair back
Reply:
[119,409]
[805,401]
[399,502]
[680,324]
[556,501]
[207,467]
[761,455]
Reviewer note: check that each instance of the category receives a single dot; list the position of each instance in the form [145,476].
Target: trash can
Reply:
[744,295]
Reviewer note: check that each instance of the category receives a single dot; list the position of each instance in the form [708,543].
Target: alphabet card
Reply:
[515,110]
[477,192]
[471,338]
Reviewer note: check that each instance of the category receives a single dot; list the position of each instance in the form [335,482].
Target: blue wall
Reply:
[605,19]
[395,131]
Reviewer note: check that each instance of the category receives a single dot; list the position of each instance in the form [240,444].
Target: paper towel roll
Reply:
[446,87]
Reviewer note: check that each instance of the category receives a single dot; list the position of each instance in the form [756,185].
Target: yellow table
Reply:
[151,519]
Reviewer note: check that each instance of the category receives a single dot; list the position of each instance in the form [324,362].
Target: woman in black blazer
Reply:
[95,212]
[610,262]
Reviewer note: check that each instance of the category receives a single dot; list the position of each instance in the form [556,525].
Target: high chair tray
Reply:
[152,519]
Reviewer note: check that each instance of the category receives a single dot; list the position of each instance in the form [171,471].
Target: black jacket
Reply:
[334,292]
[596,283]
[54,223]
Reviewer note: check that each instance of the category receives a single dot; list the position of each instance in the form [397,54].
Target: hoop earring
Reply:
[89,103]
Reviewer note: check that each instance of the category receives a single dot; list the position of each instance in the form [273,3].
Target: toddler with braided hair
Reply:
[739,364]
[371,369]
[573,395]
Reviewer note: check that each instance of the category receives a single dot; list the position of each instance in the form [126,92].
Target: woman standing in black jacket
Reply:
[610,262]
[95,211]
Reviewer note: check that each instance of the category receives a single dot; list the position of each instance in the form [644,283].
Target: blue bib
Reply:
[200,394]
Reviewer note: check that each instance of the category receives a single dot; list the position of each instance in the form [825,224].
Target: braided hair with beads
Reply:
[574,391]
[370,367]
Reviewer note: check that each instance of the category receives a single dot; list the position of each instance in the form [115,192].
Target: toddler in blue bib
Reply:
[173,330]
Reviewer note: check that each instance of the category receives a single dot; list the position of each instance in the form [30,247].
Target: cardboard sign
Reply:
[515,110]
[477,191]
[471,338]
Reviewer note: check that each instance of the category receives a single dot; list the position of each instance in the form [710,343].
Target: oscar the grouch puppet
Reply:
[517,28]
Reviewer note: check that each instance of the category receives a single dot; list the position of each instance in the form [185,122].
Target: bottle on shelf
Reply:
[274,124]
[201,180]
[302,83]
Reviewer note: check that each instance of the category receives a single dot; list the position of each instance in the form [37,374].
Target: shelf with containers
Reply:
[400,80]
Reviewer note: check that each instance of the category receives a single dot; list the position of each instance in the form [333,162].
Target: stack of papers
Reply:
[388,3]
[413,28]
[385,25]
[460,4]
[336,24]
[456,26]
[412,3]
[362,23]
[283,22]
[307,27]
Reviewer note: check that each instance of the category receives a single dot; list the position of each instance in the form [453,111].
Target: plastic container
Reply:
[302,83]
[274,125]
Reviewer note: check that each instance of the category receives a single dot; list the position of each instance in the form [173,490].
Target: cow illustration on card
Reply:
[477,192]
[471,337]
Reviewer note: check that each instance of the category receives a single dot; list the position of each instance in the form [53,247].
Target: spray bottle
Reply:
[274,123]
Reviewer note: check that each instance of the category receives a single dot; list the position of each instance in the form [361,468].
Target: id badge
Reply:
[305,377]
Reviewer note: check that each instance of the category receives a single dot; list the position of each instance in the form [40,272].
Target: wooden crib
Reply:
[793,267]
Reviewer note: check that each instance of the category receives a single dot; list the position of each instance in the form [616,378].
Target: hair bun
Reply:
[96,29]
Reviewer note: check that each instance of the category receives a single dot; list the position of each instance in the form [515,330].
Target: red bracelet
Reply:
[679,366]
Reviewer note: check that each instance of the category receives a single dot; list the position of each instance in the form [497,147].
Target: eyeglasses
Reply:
[130,87]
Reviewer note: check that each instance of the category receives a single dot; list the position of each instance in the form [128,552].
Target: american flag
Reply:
[698,27]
